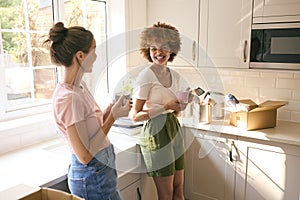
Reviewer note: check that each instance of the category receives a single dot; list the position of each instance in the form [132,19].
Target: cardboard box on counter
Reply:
[259,116]
[24,192]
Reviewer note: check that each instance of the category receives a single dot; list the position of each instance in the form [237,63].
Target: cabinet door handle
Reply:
[139,193]
[194,51]
[230,154]
[245,51]
[233,152]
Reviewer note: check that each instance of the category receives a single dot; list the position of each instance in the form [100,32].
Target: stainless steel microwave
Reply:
[275,46]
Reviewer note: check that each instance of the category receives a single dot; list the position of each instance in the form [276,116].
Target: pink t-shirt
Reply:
[73,104]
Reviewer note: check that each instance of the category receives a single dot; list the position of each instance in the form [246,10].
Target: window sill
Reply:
[25,131]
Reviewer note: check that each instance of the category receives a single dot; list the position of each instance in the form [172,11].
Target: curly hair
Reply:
[160,32]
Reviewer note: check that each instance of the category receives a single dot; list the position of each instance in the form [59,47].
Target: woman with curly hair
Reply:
[155,102]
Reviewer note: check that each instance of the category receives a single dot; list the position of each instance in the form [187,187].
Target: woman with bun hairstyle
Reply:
[92,174]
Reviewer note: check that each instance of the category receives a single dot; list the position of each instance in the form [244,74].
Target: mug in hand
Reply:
[116,97]
[183,96]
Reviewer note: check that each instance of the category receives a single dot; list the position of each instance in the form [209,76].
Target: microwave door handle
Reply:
[245,49]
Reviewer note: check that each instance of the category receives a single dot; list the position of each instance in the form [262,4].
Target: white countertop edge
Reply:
[284,132]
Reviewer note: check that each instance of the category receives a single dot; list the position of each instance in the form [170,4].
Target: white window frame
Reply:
[22,110]
[34,108]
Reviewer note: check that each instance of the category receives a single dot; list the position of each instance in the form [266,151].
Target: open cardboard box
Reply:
[24,192]
[259,116]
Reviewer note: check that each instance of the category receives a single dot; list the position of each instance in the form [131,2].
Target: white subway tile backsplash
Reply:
[214,82]
[275,94]
[242,92]
[253,74]
[295,116]
[293,106]
[260,82]
[195,80]
[283,114]
[296,95]
[233,80]
[238,72]
[273,74]
[293,84]
[297,75]
[207,79]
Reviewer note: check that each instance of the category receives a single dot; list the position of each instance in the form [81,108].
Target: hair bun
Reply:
[58,32]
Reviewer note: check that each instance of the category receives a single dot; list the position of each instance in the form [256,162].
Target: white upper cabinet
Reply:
[268,11]
[183,14]
[224,37]
[136,21]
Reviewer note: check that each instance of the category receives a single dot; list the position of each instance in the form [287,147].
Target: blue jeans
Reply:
[96,180]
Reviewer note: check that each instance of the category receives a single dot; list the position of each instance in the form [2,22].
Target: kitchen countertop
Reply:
[284,132]
[47,163]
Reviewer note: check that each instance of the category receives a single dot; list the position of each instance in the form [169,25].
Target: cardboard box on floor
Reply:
[24,192]
[259,116]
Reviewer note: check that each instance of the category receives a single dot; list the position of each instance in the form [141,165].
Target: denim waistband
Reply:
[105,156]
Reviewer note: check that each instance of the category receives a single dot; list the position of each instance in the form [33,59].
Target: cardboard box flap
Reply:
[18,191]
[274,104]
[24,192]
[269,105]
[248,103]
[265,108]
[50,194]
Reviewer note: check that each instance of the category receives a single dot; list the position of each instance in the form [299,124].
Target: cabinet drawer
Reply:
[132,192]
[127,179]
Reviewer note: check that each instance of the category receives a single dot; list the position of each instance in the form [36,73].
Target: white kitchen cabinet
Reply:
[224,36]
[267,170]
[209,171]
[128,163]
[268,11]
[136,21]
[132,189]
[148,188]
[183,14]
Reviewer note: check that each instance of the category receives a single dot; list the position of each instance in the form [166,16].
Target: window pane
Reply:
[18,83]
[39,53]
[44,83]
[42,17]
[91,15]
[23,25]
[28,77]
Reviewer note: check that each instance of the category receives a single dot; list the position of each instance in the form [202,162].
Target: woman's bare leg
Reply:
[164,186]
[178,193]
